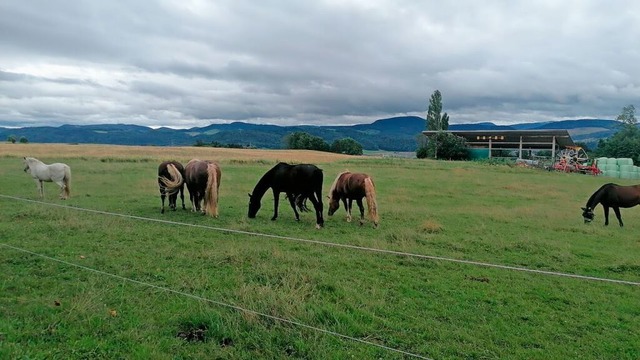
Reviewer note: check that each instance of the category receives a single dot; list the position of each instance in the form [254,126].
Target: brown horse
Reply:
[614,196]
[171,182]
[203,182]
[354,186]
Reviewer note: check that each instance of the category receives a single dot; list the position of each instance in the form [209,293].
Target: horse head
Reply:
[587,214]
[334,205]
[254,206]
[25,161]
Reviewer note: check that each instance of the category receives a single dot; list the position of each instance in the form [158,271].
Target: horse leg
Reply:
[62,186]
[182,197]
[292,201]
[173,198]
[201,202]
[162,197]
[349,206]
[316,200]
[606,215]
[40,187]
[317,205]
[361,207]
[617,211]
[276,200]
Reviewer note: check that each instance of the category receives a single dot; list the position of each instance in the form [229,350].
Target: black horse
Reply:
[171,182]
[299,182]
[614,196]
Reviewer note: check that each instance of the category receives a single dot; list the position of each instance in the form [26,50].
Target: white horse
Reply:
[59,173]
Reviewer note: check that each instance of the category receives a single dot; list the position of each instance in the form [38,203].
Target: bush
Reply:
[346,146]
[449,147]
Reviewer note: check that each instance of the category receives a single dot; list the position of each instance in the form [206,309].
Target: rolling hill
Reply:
[393,134]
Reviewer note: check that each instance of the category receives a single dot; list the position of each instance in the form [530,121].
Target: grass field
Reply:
[82,284]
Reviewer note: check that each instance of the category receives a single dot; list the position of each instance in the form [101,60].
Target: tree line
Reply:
[303,141]
[12,139]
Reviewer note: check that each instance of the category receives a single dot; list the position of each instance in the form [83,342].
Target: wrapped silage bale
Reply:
[627,168]
[624,161]
[611,167]
[627,174]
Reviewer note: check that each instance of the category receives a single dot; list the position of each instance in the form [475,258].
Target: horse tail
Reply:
[372,204]
[172,185]
[67,182]
[211,191]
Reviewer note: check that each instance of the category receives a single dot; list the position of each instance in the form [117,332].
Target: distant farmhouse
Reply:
[483,143]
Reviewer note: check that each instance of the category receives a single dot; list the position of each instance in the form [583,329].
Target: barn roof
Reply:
[510,139]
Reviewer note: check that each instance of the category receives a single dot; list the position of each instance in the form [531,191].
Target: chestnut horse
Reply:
[171,183]
[203,182]
[300,182]
[350,186]
[611,196]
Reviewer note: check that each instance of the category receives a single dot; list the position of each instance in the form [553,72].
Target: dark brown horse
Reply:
[300,182]
[612,196]
[203,182]
[171,182]
[350,186]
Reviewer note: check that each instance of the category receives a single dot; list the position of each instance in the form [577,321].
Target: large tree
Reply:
[346,146]
[436,121]
[626,142]
[303,140]
[628,115]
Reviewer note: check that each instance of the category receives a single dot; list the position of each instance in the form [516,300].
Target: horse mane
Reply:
[335,184]
[594,200]
[264,183]
[211,191]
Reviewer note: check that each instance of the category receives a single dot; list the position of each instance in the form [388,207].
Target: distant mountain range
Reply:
[393,134]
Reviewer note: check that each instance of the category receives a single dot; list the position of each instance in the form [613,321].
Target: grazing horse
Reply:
[614,196]
[58,172]
[350,186]
[171,182]
[300,182]
[203,182]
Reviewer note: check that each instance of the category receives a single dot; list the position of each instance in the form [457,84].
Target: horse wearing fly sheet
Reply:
[58,172]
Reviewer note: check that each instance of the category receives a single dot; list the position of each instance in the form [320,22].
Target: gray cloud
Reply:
[192,62]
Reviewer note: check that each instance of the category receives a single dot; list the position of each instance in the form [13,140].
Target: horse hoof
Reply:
[318,226]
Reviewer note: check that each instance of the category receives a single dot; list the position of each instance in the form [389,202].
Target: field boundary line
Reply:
[330,244]
[219,303]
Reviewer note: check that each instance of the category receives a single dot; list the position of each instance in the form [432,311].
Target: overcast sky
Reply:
[185,63]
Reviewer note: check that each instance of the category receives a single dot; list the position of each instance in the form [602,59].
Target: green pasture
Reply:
[51,309]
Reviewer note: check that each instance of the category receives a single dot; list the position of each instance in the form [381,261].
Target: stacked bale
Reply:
[626,169]
[621,168]
[611,168]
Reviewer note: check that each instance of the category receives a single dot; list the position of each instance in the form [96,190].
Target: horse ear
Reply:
[249,195]
[584,209]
